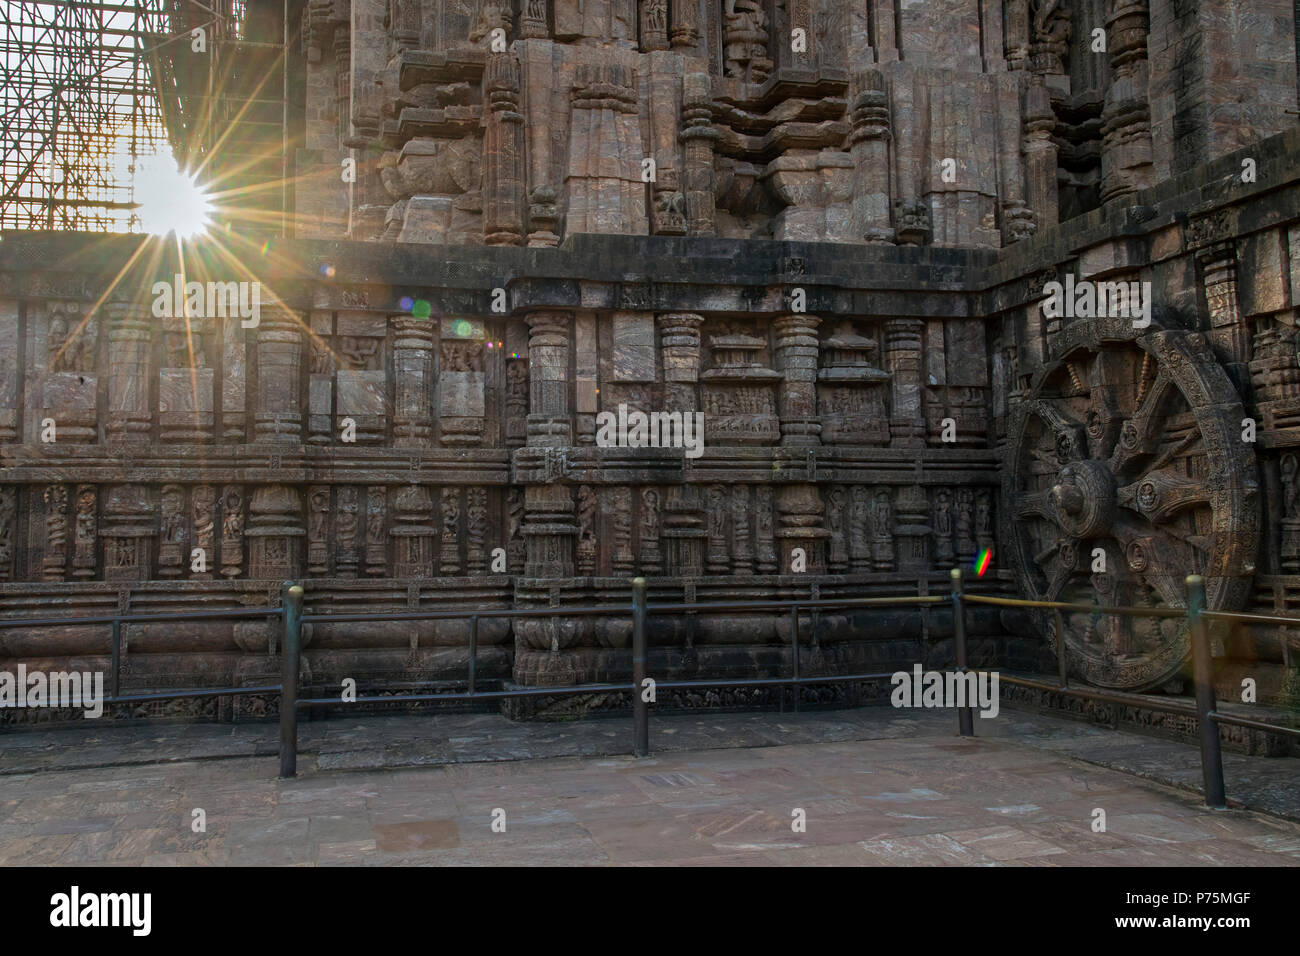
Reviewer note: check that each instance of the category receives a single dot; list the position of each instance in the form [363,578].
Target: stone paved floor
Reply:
[875,788]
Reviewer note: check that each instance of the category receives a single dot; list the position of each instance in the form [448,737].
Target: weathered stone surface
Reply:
[837,255]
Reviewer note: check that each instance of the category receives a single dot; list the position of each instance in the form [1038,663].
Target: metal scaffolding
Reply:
[90,87]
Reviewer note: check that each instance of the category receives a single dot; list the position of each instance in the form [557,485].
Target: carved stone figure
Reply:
[376,540]
[203,505]
[232,531]
[83,556]
[943,553]
[648,532]
[586,556]
[838,556]
[346,558]
[318,507]
[8,517]
[882,538]
[171,538]
[450,550]
[477,528]
[515,550]
[745,37]
[860,529]
[56,531]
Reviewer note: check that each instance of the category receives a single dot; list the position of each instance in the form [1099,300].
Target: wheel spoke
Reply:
[1035,504]
[1068,435]
[1104,382]
[1159,495]
[1160,558]
[1140,435]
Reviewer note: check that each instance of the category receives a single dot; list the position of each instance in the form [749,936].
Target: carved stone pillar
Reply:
[8,530]
[698,137]
[719,557]
[1017,218]
[404,22]
[128,528]
[476,530]
[55,561]
[1017,34]
[903,362]
[185,383]
[320,381]
[912,529]
[549,531]
[796,360]
[533,21]
[412,371]
[685,33]
[1228,333]
[548,379]
[741,533]
[619,500]
[130,331]
[859,527]
[279,364]
[684,531]
[869,146]
[1040,154]
[10,374]
[654,25]
[679,338]
[275,528]
[800,508]
[413,533]
[503,152]
[606,192]
[764,542]
[1126,161]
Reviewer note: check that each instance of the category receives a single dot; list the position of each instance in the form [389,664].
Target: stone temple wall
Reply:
[837,250]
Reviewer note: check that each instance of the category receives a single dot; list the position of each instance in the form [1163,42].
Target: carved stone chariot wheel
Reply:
[1130,442]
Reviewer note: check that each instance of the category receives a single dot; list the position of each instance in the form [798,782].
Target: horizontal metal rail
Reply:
[1241,617]
[1082,608]
[1107,696]
[202,692]
[1253,724]
[562,690]
[147,618]
[291,614]
[455,614]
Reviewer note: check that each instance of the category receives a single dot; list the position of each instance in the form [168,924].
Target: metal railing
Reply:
[640,611]
[1206,714]
[291,614]
[115,621]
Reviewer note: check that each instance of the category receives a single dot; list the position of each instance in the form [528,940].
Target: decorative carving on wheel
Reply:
[1130,442]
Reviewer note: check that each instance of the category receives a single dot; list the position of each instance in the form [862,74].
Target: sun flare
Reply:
[169,201]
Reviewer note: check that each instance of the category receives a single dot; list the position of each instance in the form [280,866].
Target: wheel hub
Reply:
[1084,497]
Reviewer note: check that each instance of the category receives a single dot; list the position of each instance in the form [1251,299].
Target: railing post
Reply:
[473,652]
[1211,752]
[291,652]
[794,656]
[1061,671]
[115,687]
[965,716]
[640,709]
